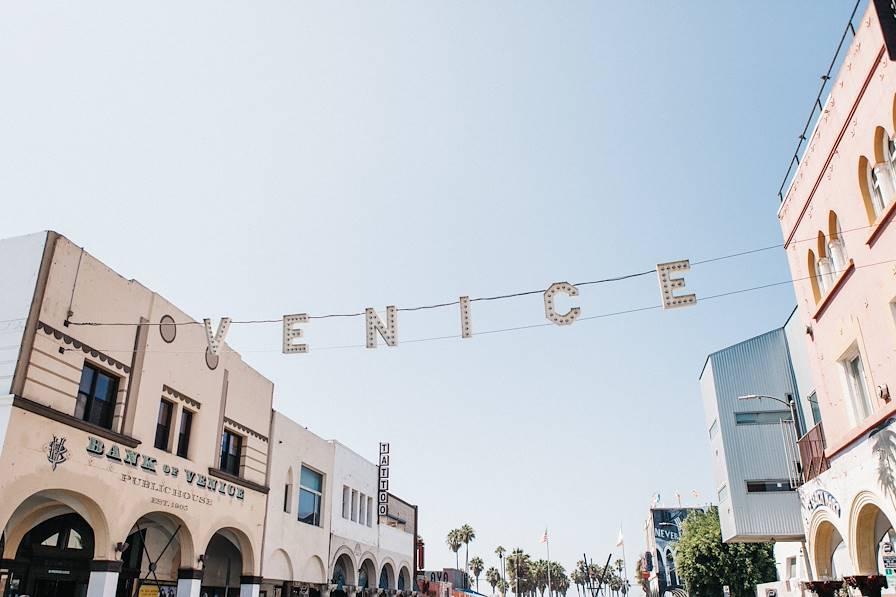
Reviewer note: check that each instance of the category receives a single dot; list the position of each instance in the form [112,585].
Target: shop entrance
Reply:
[53,559]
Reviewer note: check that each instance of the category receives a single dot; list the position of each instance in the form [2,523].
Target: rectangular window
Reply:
[790,568]
[354,506]
[231,449]
[713,429]
[816,411]
[370,511]
[362,509]
[346,502]
[768,486]
[723,493]
[163,425]
[763,417]
[183,435]
[97,393]
[311,487]
[858,389]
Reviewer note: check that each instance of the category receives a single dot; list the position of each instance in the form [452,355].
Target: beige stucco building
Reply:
[324,533]
[841,244]
[129,452]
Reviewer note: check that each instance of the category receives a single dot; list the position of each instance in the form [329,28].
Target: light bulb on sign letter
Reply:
[389,330]
[291,332]
[668,284]
[215,341]
[551,313]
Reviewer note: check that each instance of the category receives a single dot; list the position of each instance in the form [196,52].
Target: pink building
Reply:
[841,247]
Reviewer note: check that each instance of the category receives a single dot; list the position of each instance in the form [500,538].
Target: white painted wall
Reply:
[350,468]
[288,543]
[19,266]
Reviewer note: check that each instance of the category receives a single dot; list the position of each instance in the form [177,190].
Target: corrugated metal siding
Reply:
[762,366]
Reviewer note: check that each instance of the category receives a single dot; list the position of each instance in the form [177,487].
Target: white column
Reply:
[188,587]
[248,590]
[102,584]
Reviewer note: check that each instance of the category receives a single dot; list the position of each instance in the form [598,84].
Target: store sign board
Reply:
[383,474]
[819,498]
[143,462]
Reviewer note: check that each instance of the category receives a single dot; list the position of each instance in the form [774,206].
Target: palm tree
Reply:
[500,551]
[502,587]
[466,534]
[492,576]
[454,542]
[476,567]
[519,563]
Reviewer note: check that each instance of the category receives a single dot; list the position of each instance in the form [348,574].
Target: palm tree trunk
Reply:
[466,563]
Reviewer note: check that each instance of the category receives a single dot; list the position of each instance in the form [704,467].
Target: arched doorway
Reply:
[387,577]
[871,529]
[366,574]
[227,557]
[156,546]
[829,552]
[343,575]
[404,579]
[53,558]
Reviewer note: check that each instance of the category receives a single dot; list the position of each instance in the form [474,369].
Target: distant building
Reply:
[746,389]
[658,562]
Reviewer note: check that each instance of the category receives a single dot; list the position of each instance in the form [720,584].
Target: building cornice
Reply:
[51,331]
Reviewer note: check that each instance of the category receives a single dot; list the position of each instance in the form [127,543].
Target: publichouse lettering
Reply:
[97,447]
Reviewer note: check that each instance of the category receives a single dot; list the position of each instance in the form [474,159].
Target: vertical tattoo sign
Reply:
[383,491]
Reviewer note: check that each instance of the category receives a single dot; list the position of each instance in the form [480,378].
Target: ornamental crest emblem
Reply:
[57,453]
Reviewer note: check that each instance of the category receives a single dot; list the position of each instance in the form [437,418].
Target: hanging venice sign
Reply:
[668,274]
[203,487]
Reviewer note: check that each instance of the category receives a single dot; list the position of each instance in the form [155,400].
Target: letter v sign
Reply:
[214,342]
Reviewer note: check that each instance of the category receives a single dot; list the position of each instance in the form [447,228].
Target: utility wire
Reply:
[619,278]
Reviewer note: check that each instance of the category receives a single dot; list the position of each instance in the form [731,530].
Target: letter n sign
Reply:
[383,493]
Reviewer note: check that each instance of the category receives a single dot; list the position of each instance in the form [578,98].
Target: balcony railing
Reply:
[812,456]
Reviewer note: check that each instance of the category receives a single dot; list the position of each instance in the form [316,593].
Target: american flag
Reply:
[544,537]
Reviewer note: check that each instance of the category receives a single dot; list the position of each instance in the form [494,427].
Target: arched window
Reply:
[824,269]
[811,268]
[836,245]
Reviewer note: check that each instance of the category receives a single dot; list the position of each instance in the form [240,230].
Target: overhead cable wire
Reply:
[523,327]
[618,278]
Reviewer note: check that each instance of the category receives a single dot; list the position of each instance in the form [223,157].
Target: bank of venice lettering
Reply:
[202,485]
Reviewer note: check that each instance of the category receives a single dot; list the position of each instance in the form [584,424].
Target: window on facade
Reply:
[857,387]
[723,493]
[354,506]
[764,417]
[816,412]
[768,486]
[362,509]
[231,448]
[96,396]
[163,425]
[790,568]
[346,502]
[369,511]
[880,186]
[287,496]
[311,486]
[183,434]
[836,245]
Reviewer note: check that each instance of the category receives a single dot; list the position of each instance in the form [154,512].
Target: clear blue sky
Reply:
[256,159]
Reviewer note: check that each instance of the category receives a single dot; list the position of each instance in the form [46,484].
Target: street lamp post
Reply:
[789,403]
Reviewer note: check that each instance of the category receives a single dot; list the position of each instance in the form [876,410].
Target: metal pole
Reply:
[547,544]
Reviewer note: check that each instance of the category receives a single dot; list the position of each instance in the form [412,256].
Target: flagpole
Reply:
[547,544]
